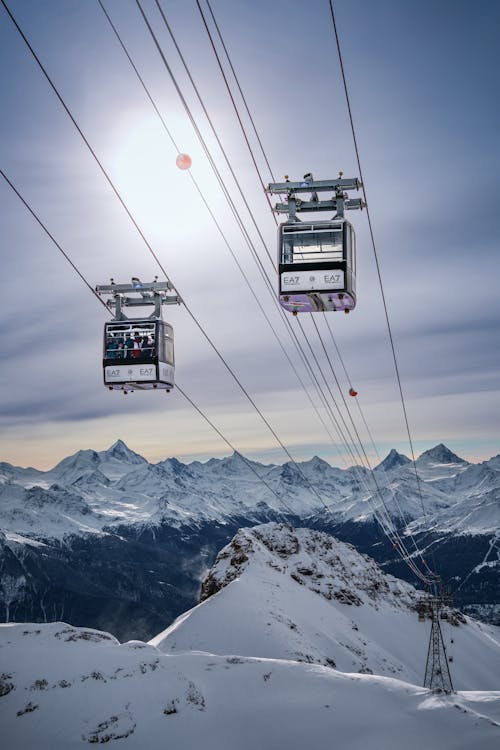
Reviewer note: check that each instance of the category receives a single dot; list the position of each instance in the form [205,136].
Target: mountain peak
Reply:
[318,464]
[393,460]
[442,455]
[122,452]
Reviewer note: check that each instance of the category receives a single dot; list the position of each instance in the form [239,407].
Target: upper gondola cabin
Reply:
[317,266]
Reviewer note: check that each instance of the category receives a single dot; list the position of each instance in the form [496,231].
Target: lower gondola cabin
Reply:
[317,266]
[138,355]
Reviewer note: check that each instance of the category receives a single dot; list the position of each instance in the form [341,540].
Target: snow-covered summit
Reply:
[393,460]
[440,454]
[319,562]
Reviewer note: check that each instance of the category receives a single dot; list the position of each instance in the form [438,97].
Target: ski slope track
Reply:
[299,641]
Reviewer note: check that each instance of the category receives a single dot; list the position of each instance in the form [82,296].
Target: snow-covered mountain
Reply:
[118,486]
[299,640]
[279,592]
[137,536]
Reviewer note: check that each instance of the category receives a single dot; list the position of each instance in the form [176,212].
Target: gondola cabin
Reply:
[317,266]
[138,355]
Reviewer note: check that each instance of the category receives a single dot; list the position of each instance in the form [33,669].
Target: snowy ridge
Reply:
[278,592]
[91,492]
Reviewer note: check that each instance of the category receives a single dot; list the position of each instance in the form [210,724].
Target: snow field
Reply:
[73,687]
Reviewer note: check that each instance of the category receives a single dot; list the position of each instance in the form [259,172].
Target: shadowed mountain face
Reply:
[107,539]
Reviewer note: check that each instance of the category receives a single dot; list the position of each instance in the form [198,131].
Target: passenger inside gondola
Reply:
[130,341]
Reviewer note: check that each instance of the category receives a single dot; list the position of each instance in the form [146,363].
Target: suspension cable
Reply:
[230,93]
[214,218]
[374,247]
[155,256]
[203,142]
[101,301]
[202,104]
[260,178]
[56,243]
[150,248]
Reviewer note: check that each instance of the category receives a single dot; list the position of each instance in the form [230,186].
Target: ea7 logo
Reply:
[331,278]
[146,371]
[114,373]
[290,280]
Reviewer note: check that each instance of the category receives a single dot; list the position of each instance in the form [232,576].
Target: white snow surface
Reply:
[92,491]
[245,669]
[65,688]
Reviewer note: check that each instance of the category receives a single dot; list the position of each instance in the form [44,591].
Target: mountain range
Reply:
[109,540]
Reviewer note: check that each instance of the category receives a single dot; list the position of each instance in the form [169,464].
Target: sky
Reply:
[423,79]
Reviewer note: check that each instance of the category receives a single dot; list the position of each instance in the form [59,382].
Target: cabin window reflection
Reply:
[167,351]
[312,245]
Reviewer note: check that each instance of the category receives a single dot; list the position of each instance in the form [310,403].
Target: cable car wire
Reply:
[201,101]
[233,100]
[253,159]
[100,300]
[252,248]
[234,103]
[191,117]
[378,490]
[226,242]
[261,181]
[379,276]
[84,138]
[230,93]
[147,244]
[246,460]
[155,256]
[188,111]
[377,264]
[240,90]
[202,140]
[212,215]
[202,104]
[349,381]
[400,511]
[56,243]
[238,114]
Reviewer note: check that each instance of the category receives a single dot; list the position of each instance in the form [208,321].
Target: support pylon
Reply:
[437,672]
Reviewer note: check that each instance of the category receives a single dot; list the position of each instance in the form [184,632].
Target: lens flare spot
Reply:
[183,161]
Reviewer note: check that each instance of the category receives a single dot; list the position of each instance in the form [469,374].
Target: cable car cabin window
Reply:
[351,257]
[131,340]
[166,344]
[312,244]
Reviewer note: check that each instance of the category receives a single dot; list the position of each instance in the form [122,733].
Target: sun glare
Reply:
[146,170]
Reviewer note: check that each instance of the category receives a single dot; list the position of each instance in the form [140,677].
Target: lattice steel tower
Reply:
[437,672]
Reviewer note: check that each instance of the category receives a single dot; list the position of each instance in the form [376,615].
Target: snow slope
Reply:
[63,688]
[281,593]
